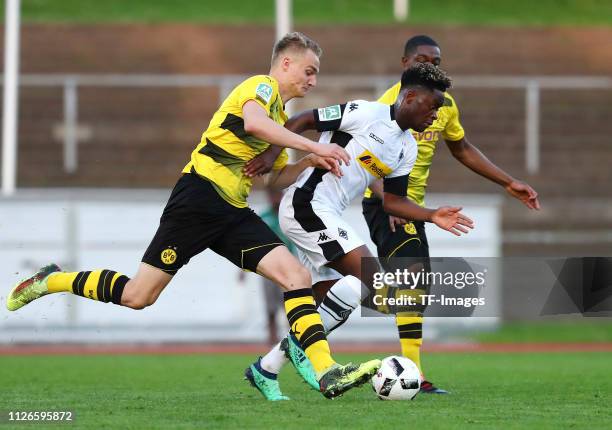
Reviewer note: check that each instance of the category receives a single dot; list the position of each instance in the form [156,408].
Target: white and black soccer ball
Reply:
[397,379]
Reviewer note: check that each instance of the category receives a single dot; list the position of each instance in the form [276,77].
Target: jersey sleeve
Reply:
[259,89]
[390,95]
[348,117]
[453,130]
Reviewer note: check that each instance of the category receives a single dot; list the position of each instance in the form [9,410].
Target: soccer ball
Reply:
[397,379]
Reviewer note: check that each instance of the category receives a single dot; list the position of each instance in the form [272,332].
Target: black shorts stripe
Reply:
[411,326]
[312,334]
[299,311]
[296,294]
[332,250]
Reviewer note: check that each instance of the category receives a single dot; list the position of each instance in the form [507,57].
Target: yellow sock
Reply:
[101,285]
[410,330]
[306,325]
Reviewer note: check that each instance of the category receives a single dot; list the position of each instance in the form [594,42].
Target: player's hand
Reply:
[394,220]
[327,163]
[450,218]
[523,192]
[331,150]
[261,164]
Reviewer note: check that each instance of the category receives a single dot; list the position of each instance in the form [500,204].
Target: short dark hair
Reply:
[426,75]
[416,41]
[296,41]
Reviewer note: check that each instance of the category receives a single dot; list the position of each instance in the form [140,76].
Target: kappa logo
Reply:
[342,233]
[376,138]
[401,155]
[353,106]
[323,237]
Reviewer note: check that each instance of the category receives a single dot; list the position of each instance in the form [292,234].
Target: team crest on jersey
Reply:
[373,165]
[264,92]
[330,113]
[168,255]
[342,233]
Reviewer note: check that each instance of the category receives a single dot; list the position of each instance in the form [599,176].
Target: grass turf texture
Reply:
[469,12]
[514,391]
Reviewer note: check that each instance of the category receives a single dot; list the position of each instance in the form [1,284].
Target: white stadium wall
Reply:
[94,229]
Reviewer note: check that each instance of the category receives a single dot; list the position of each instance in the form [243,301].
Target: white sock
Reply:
[274,360]
[342,299]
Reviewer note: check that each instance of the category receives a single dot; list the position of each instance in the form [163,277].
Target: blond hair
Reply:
[295,41]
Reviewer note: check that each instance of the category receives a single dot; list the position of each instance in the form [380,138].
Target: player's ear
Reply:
[409,96]
[285,63]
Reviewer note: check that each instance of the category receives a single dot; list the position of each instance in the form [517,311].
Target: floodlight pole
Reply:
[400,9]
[10,104]
[283,18]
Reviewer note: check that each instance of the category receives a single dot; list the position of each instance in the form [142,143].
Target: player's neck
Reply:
[283,88]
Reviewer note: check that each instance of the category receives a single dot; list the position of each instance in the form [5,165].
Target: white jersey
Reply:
[377,146]
[310,212]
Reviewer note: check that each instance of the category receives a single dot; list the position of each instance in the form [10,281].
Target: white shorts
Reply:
[319,233]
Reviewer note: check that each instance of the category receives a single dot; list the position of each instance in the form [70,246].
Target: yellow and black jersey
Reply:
[447,126]
[225,146]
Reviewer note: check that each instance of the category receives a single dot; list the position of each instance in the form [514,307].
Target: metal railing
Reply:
[532,86]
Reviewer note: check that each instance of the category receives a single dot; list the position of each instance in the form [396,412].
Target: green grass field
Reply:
[469,12]
[510,391]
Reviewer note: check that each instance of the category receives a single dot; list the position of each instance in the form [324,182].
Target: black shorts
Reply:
[196,218]
[407,241]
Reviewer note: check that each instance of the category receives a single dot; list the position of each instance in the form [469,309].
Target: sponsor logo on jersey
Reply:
[426,136]
[352,107]
[323,237]
[264,92]
[373,165]
[168,256]
[330,113]
[376,138]
[342,233]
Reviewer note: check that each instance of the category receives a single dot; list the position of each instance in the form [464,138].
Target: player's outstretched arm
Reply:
[279,179]
[263,163]
[446,217]
[474,159]
[257,123]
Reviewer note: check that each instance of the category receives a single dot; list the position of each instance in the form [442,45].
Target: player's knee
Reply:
[297,278]
[137,298]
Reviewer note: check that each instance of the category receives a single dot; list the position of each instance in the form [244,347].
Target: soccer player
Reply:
[379,142]
[395,237]
[208,209]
